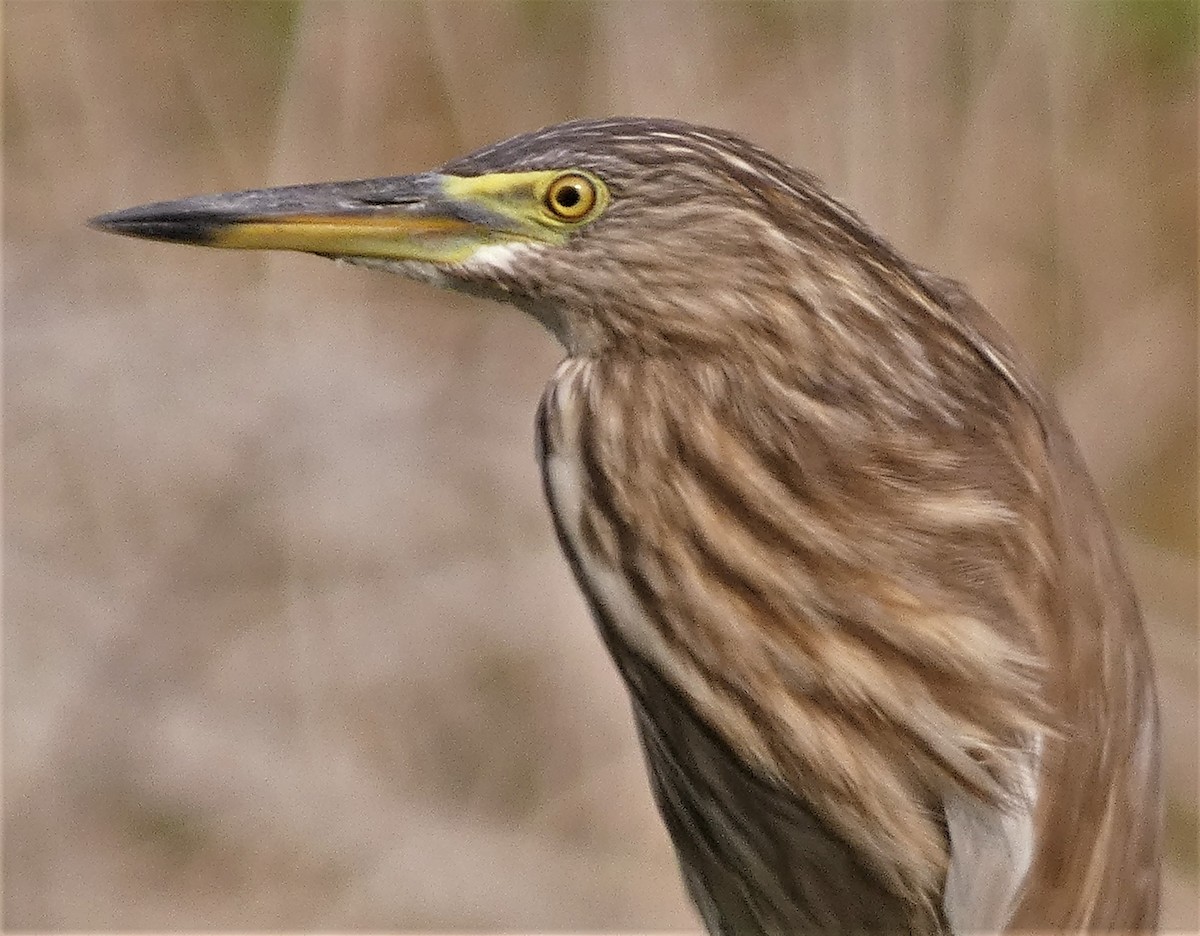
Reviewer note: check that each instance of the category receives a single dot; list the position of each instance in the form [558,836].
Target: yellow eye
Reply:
[571,196]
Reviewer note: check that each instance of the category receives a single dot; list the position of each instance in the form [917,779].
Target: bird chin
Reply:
[550,314]
[420,270]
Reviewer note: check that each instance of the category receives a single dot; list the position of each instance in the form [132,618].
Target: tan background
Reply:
[287,639]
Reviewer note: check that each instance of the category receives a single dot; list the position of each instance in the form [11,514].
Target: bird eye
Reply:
[571,196]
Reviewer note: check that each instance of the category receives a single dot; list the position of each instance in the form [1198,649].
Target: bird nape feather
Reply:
[885,662]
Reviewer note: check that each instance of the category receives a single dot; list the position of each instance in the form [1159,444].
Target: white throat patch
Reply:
[499,257]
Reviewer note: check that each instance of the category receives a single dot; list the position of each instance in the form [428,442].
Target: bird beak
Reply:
[427,217]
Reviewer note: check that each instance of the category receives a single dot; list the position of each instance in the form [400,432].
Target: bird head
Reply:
[635,231]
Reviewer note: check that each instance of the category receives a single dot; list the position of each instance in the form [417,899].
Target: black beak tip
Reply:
[155,224]
[110,222]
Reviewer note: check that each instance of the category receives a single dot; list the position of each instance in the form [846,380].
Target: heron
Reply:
[884,659]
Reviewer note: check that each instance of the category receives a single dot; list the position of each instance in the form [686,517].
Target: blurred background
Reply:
[288,643]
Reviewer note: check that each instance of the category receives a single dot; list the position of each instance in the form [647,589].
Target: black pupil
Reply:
[568,196]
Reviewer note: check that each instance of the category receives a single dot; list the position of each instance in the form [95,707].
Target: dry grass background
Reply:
[287,640]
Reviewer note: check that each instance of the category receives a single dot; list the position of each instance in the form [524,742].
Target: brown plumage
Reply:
[884,658]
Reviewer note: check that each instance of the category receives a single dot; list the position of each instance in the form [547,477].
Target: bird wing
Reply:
[1089,853]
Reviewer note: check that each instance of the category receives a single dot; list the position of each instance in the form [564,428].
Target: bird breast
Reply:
[779,629]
